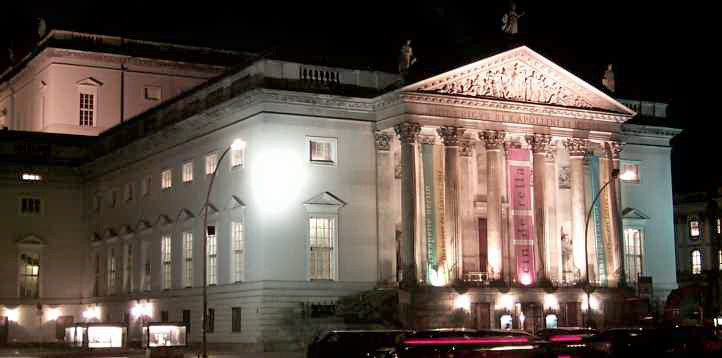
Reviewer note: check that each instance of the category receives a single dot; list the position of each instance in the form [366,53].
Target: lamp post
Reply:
[587,286]
[236,145]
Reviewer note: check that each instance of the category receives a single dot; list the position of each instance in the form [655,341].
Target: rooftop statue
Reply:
[608,80]
[406,59]
[511,20]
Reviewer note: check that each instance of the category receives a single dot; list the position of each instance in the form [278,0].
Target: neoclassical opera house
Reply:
[486,177]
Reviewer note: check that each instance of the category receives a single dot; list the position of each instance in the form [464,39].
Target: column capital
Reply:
[450,135]
[492,139]
[615,148]
[577,147]
[465,148]
[551,153]
[427,139]
[538,142]
[383,141]
[407,132]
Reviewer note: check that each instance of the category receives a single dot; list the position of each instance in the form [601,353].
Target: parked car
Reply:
[463,343]
[568,341]
[692,341]
[625,342]
[356,343]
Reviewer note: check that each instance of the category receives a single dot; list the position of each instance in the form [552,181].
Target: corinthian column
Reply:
[450,137]
[493,141]
[577,149]
[553,240]
[407,132]
[613,150]
[539,143]
[384,179]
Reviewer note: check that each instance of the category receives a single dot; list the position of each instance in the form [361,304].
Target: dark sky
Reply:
[650,43]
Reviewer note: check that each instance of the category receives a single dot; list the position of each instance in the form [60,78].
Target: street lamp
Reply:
[236,145]
[587,286]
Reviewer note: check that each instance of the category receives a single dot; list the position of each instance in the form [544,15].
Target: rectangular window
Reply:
[211,320]
[719,259]
[719,226]
[145,259]
[164,316]
[113,198]
[694,229]
[235,319]
[111,272]
[31,177]
[166,179]
[211,162]
[187,259]
[30,206]
[633,253]
[630,173]
[87,109]
[29,272]
[129,192]
[322,150]
[187,172]
[186,319]
[152,93]
[696,262]
[145,185]
[212,256]
[322,231]
[166,260]
[96,284]
[237,157]
[129,258]
[237,243]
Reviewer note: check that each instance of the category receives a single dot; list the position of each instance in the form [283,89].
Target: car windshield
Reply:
[365,339]
[445,334]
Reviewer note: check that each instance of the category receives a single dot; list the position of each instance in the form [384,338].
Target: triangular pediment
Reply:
[234,203]
[212,210]
[143,225]
[110,233]
[325,198]
[31,240]
[184,215]
[89,81]
[163,220]
[126,231]
[634,214]
[520,75]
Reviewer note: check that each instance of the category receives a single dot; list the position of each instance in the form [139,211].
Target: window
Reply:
[96,284]
[129,268]
[211,162]
[237,157]
[166,179]
[211,320]
[187,172]
[31,177]
[630,173]
[187,259]
[237,243]
[694,229]
[719,259]
[112,274]
[30,206]
[166,260]
[29,276]
[129,192]
[113,198]
[696,262]
[145,186]
[235,319]
[633,253]
[322,236]
[719,226]
[212,263]
[152,93]
[145,257]
[322,150]
[87,108]
[164,316]
[186,318]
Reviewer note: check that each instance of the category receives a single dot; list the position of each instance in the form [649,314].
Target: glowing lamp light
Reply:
[462,302]
[551,302]
[525,279]
[92,313]
[436,278]
[628,175]
[53,314]
[594,303]
[506,301]
[238,144]
[142,309]
[12,315]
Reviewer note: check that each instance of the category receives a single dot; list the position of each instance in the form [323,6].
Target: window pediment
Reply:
[212,210]
[184,215]
[324,202]
[89,82]
[163,220]
[30,241]
[234,203]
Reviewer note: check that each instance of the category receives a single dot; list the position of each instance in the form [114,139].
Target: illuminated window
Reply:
[211,162]
[29,276]
[145,186]
[696,262]
[237,243]
[719,226]
[212,256]
[30,206]
[633,253]
[112,274]
[166,179]
[237,157]
[694,230]
[630,173]
[187,259]
[719,259]
[165,254]
[87,109]
[188,172]
[322,236]
[322,150]
[31,177]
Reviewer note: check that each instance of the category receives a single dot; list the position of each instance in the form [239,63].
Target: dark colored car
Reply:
[625,342]
[356,343]
[568,341]
[691,341]
[461,343]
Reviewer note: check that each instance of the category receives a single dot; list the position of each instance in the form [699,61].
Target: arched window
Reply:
[696,262]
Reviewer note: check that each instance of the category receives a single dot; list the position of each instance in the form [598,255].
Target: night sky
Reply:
[650,44]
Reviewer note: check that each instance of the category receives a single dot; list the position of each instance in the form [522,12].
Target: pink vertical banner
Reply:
[522,214]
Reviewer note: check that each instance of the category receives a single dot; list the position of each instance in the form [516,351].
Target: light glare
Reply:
[462,302]
[12,314]
[53,314]
[238,144]
[551,302]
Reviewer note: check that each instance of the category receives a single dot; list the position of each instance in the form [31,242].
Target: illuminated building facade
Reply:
[340,186]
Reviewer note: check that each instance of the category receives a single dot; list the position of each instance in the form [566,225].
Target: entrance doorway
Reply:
[482,315]
[533,316]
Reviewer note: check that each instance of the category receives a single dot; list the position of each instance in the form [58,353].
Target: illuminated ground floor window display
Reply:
[164,334]
[96,335]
